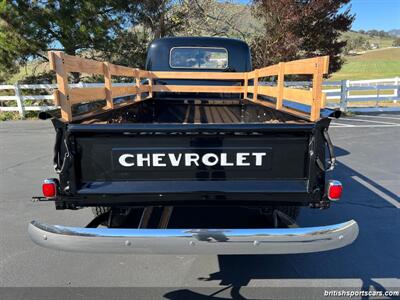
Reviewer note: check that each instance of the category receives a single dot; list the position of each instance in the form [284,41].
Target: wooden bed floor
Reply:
[195,113]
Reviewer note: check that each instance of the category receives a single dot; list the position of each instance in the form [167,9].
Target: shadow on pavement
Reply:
[372,257]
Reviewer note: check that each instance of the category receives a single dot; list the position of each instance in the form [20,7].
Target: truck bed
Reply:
[193,112]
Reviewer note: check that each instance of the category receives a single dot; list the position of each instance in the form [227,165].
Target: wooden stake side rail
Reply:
[63,64]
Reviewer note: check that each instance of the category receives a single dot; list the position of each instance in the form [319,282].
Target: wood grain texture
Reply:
[255,85]
[79,95]
[297,68]
[52,63]
[108,85]
[199,75]
[56,97]
[298,95]
[150,87]
[145,74]
[198,89]
[317,89]
[63,87]
[246,85]
[82,65]
[251,75]
[306,66]
[268,71]
[117,70]
[280,85]
[119,91]
[139,94]
[144,89]
[270,91]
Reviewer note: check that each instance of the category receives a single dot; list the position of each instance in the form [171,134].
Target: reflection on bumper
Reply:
[194,241]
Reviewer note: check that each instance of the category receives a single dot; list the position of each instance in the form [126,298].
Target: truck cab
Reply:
[198,128]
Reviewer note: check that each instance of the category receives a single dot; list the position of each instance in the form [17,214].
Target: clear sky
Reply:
[376,14]
[372,14]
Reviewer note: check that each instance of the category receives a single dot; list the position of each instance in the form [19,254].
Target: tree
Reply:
[215,18]
[161,17]
[295,29]
[71,26]
[111,29]
[396,42]
[11,46]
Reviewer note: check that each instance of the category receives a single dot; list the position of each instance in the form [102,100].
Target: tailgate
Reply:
[242,158]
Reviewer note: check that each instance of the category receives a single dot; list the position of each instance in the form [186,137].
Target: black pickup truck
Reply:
[189,144]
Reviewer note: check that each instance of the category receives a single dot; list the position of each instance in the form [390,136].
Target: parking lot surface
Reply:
[368,150]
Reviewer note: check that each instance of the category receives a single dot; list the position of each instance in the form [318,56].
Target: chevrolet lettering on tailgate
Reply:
[240,159]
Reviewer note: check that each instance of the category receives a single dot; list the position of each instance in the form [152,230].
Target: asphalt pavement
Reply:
[368,149]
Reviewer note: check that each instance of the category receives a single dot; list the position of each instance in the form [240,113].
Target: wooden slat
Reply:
[317,89]
[300,67]
[65,96]
[144,88]
[117,70]
[251,75]
[325,69]
[108,85]
[56,97]
[138,95]
[270,91]
[198,89]
[82,65]
[145,74]
[150,87]
[199,75]
[255,84]
[62,82]
[268,71]
[52,63]
[246,85]
[79,95]
[307,66]
[297,95]
[323,100]
[119,91]
[280,85]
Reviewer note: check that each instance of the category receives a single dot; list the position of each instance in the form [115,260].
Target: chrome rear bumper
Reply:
[194,241]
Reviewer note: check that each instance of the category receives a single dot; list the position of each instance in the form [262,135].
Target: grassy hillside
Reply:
[382,63]
[383,42]
[31,68]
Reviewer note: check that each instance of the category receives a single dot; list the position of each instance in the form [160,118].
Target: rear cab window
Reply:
[198,58]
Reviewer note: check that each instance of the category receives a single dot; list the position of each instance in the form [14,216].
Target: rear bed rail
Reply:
[65,96]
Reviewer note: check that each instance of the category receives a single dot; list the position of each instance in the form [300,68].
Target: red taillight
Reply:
[335,190]
[49,188]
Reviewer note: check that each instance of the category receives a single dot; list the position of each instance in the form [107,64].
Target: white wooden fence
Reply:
[346,92]
[17,90]
[20,98]
[340,94]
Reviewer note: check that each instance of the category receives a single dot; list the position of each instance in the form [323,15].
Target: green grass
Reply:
[382,63]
